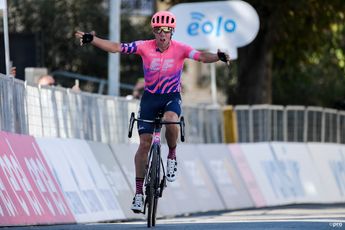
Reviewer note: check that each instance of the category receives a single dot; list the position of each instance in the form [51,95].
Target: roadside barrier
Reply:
[53,181]
[62,113]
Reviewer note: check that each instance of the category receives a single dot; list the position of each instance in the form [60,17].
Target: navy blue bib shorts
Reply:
[151,104]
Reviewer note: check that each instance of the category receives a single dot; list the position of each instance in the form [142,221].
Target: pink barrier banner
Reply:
[29,194]
[247,175]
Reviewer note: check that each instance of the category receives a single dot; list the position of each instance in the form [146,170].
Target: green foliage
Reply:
[308,58]
[55,22]
[305,40]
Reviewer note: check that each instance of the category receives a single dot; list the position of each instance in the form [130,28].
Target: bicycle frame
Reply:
[154,183]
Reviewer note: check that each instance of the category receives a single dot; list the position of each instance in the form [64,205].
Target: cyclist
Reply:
[163,60]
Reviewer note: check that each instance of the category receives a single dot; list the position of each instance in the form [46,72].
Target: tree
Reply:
[55,22]
[298,51]
[313,73]
[293,53]
[297,57]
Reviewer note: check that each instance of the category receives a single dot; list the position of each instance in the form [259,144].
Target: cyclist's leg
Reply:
[140,160]
[146,111]
[173,111]
[141,157]
[171,133]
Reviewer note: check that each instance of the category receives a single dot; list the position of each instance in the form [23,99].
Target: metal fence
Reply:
[291,123]
[60,112]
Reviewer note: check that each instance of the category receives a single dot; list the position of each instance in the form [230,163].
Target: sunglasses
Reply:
[158,30]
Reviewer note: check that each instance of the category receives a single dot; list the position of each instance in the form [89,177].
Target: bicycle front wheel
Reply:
[157,160]
[150,205]
[152,186]
[154,211]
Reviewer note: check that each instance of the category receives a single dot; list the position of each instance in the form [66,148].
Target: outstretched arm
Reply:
[208,57]
[106,45]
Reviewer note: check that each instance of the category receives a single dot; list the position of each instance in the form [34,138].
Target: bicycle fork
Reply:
[163,183]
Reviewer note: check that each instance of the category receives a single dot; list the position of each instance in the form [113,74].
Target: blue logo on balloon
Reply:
[207,27]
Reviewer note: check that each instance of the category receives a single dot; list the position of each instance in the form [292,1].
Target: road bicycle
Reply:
[155,179]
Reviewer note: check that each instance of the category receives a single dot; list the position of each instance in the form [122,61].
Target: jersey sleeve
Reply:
[190,52]
[131,48]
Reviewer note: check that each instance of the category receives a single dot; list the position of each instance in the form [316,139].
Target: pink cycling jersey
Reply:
[162,70]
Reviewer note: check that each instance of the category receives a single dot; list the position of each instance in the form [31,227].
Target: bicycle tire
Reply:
[150,201]
[156,158]
[155,205]
[151,187]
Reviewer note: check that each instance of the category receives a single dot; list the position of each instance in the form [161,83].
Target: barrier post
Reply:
[230,125]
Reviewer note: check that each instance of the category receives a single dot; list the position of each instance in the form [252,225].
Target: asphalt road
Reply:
[314,217]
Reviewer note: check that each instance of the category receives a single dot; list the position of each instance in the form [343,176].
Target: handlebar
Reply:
[157,121]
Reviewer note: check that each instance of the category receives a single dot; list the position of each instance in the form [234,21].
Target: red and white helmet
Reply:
[163,18]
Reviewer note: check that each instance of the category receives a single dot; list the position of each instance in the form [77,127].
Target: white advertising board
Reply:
[329,161]
[61,169]
[260,159]
[114,175]
[247,175]
[124,155]
[193,169]
[180,194]
[293,174]
[85,187]
[217,24]
[224,173]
